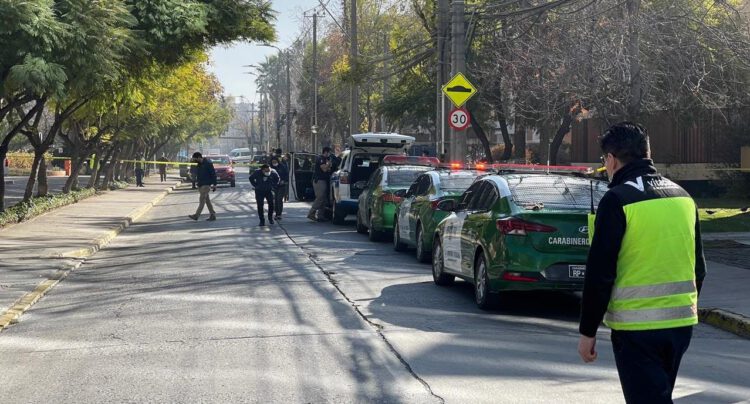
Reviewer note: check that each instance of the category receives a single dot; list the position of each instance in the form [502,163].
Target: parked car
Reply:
[418,214]
[516,231]
[378,203]
[224,170]
[357,165]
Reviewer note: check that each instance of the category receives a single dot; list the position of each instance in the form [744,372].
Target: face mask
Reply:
[267,174]
[275,165]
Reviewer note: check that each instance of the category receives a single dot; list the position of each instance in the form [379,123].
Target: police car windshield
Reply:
[404,176]
[554,192]
[454,183]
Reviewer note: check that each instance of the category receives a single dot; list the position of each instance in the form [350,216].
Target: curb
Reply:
[101,241]
[18,308]
[726,320]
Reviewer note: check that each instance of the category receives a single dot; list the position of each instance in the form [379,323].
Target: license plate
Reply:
[577,271]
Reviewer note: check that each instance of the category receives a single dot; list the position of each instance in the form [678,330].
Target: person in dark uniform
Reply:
[644,271]
[139,174]
[321,177]
[265,181]
[281,190]
[163,167]
[205,176]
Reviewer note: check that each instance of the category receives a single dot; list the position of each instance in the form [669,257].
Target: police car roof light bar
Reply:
[542,168]
[411,160]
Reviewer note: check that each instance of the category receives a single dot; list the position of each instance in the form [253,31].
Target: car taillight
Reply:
[388,197]
[344,178]
[517,277]
[518,227]
[434,204]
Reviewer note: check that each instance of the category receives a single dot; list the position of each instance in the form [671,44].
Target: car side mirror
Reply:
[401,193]
[448,205]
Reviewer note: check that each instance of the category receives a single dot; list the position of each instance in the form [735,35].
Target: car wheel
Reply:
[361,229]
[373,234]
[422,254]
[438,267]
[397,244]
[484,299]
[339,215]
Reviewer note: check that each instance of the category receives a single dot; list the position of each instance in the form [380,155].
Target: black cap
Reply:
[197,155]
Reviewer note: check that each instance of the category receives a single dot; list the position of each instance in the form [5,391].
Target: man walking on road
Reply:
[264,180]
[321,179]
[139,173]
[281,190]
[205,177]
[644,271]
[163,167]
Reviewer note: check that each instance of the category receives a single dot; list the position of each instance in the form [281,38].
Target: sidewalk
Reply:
[36,254]
[725,298]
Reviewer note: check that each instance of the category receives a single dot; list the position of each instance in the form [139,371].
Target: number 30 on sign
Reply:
[459,119]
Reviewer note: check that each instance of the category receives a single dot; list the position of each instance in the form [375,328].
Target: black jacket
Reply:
[264,185]
[609,230]
[205,173]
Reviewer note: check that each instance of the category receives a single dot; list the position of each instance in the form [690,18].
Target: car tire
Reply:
[422,254]
[397,244]
[438,269]
[484,299]
[361,229]
[339,215]
[373,234]
[232,184]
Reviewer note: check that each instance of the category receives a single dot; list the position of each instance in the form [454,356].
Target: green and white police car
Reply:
[418,214]
[378,202]
[517,230]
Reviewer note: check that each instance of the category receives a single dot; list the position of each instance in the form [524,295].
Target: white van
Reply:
[241,155]
[356,166]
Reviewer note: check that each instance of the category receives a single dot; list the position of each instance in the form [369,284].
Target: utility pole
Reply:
[288,104]
[386,79]
[442,76]
[354,113]
[314,128]
[252,126]
[458,56]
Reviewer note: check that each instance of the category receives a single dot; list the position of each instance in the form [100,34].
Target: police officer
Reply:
[321,177]
[644,271]
[264,180]
[280,192]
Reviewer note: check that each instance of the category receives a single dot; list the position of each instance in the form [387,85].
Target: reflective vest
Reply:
[655,284]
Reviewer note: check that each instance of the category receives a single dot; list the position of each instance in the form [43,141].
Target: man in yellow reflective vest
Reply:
[644,270]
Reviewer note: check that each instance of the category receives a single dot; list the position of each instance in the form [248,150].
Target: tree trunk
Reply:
[562,131]
[76,165]
[32,176]
[3,155]
[479,131]
[634,58]
[508,150]
[520,143]
[42,187]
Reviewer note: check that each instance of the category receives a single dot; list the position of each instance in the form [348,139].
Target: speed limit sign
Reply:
[459,119]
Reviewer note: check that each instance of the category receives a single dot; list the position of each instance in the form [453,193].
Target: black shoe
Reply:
[270,220]
[262,224]
[194,217]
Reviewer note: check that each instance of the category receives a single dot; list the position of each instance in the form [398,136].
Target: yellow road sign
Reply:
[459,89]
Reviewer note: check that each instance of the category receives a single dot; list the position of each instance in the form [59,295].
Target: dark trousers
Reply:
[162,176]
[279,196]
[647,362]
[138,177]
[259,198]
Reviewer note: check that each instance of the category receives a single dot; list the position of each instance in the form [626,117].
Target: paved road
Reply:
[14,192]
[182,311]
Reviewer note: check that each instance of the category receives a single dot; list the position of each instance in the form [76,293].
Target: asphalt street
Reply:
[14,192]
[181,311]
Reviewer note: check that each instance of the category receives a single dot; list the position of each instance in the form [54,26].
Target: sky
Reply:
[228,62]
